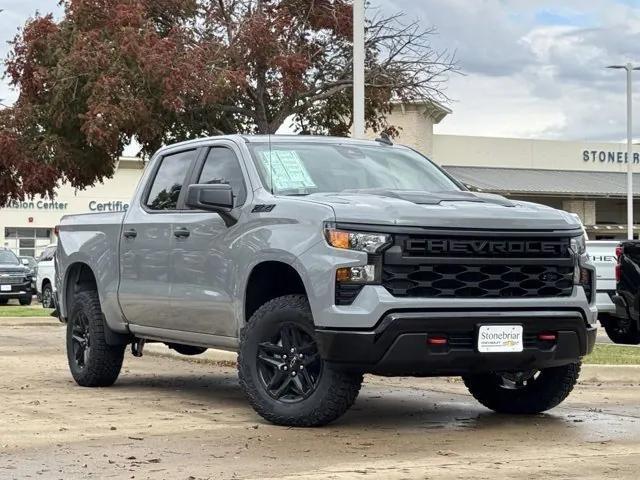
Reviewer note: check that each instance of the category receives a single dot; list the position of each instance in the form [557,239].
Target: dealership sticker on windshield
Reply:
[287,170]
[500,338]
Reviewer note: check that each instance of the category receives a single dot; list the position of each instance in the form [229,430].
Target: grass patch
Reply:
[604,354]
[35,310]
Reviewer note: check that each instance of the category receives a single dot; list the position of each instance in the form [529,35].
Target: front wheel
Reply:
[26,300]
[47,296]
[623,331]
[282,373]
[92,361]
[528,392]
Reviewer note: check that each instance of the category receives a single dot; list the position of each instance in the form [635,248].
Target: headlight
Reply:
[579,245]
[362,241]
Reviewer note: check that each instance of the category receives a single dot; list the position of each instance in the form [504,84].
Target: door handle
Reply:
[131,233]
[181,232]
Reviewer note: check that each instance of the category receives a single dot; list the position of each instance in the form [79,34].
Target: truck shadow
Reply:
[376,408]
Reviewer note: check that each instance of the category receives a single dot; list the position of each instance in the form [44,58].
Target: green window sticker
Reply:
[287,170]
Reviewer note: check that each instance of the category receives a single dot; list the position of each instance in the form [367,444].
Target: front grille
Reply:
[12,280]
[478,267]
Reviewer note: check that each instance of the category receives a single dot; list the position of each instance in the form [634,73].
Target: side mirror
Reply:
[213,198]
[25,262]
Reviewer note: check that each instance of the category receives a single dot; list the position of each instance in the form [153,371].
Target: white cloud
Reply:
[535,69]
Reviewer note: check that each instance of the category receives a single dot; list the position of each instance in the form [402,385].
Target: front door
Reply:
[202,291]
[146,243]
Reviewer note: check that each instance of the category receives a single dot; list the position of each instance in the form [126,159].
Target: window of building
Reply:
[168,181]
[27,242]
[222,167]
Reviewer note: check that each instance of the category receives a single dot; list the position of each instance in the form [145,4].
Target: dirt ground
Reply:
[173,419]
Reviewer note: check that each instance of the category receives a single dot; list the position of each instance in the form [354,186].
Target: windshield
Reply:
[304,168]
[7,257]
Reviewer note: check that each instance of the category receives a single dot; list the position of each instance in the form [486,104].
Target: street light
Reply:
[629,68]
[358,68]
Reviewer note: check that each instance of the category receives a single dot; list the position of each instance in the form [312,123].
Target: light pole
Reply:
[358,68]
[629,68]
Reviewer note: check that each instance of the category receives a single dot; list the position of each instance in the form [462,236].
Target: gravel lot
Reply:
[173,419]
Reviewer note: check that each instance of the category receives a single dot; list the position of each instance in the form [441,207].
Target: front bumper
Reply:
[18,290]
[398,343]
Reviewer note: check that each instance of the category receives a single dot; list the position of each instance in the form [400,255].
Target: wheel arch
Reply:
[267,280]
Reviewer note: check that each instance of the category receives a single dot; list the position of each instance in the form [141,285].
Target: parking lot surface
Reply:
[172,419]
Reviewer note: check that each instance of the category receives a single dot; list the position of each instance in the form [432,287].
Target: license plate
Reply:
[500,338]
[5,288]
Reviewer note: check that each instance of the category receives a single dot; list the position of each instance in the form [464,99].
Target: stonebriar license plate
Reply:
[5,288]
[500,338]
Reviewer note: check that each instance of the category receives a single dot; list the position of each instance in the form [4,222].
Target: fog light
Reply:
[359,274]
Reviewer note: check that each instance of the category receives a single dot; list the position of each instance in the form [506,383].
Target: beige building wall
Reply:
[414,122]
[526,153]
[112,195]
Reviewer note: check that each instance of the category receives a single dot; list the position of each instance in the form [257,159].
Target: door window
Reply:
[222,167]
[168,181]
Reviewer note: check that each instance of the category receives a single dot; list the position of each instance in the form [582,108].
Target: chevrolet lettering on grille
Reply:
[552,248]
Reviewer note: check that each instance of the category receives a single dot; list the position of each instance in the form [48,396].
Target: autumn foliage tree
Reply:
[110,72]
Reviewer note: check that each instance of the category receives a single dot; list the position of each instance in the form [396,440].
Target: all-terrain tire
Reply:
[4,301]
[102,364]
[541,393]
[336,390]
[621,331]
[26,300]
[47,296]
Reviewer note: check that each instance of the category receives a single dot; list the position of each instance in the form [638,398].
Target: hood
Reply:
[443,210]
[11,268]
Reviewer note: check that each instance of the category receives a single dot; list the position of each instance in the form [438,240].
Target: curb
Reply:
[610,373]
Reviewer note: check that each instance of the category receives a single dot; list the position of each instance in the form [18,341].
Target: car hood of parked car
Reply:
[454,210]
[10,268]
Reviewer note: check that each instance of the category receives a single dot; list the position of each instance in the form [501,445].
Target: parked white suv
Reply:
[45,279]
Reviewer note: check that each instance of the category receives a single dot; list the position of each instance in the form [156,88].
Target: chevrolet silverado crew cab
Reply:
[320,259]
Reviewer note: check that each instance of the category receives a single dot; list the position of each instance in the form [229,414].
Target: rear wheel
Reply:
[528,392]
[93,362]
[282,373]
[621,330]
[47,296]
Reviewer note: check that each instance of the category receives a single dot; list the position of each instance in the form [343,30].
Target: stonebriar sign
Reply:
[603,156]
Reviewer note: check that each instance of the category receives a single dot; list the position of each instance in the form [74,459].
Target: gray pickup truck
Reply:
[321,259]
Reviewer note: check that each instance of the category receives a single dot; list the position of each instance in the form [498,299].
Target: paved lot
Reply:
[173,419]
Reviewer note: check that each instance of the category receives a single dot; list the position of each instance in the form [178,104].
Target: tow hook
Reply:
[137,346]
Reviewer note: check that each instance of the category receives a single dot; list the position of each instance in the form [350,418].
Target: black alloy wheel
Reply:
[81,339]
[289,365]
[47,297]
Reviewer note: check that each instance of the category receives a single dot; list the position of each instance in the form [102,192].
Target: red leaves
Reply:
[157,71]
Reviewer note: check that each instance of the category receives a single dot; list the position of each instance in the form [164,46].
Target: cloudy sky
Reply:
[531,68]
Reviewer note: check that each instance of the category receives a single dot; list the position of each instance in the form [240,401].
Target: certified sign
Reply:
[500,338]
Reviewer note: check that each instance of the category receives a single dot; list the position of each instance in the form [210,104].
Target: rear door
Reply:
[147,239]
[202,293]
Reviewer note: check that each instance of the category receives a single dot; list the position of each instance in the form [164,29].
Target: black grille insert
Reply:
[478,281]
[478,267]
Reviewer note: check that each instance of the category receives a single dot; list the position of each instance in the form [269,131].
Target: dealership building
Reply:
[586,178]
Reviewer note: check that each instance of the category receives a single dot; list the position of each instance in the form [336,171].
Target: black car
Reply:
[32,265]
[626,328]
[15,279]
